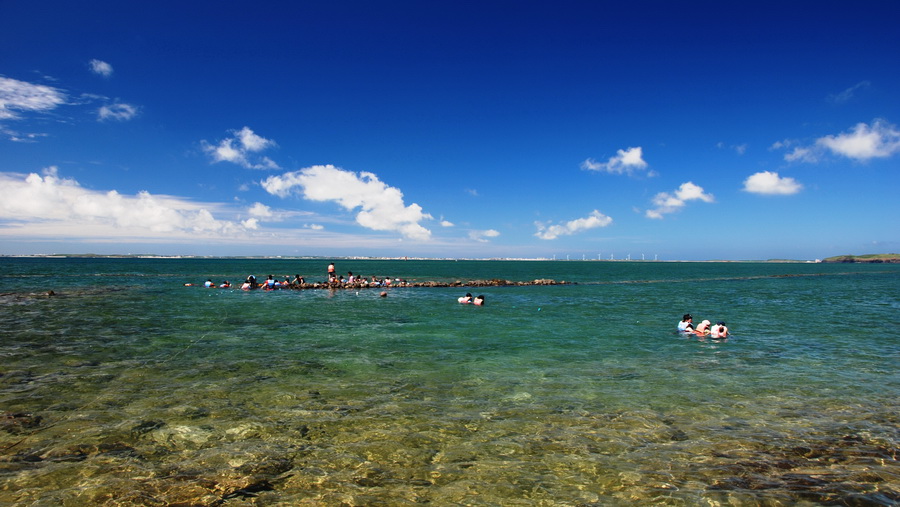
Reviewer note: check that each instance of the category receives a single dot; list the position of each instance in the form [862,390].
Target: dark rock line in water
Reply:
[496,282]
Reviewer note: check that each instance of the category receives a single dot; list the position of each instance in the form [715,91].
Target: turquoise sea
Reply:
[128,388]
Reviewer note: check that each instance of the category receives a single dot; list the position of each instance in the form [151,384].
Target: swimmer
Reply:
[720,330]
[687,324]
[208,284]
[702,328]
[478,301]
[225,285]
[465,299]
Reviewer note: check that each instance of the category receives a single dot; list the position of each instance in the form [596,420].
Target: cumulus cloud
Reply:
[118,112]
[19,96]
[861,143]
[101,68]
[446,223]
[260,210]
[47,203]
[670,203]
[380,206]
[625,161]
[770,183]
[483,235]
[242,148]
[594,220]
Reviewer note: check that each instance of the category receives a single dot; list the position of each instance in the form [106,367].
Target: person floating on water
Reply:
[720,330]
[478,301]
[687,324]
[209,283]
[702,329]
[225,285]
[465,299]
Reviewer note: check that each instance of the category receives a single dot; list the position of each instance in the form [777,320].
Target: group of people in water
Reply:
[469,300]
[704,328]
[333,281]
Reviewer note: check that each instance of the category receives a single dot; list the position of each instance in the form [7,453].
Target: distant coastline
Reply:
[846,259]
[382,258]
[865,259]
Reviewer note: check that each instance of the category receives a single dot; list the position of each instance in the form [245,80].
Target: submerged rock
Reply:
[19,422]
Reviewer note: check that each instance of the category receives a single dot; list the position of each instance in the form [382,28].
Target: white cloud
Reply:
[847,95]
[260,210]
[17,96]
[481,236]
[864,142]
[241,149]
[861,143]
[446,223]
[21,137]
[670,203]
[769,183]
[594,220]
[625,161]
[801,154]
[118,111]
[101,68]
[315,227]
[381,207]
[777,145]
[48,203]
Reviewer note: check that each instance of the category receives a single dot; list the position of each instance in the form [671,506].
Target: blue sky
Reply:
[690,130]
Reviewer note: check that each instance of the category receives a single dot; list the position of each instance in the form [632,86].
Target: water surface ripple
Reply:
[127,388]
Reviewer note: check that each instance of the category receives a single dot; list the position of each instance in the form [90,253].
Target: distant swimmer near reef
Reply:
[465,299]
[478,301]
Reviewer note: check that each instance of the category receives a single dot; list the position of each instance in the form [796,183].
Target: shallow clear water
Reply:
[128,388]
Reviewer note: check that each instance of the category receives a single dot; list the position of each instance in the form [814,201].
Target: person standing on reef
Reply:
[331,272]
[687,324]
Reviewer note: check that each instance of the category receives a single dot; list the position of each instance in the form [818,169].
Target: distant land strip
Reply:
[865,259]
